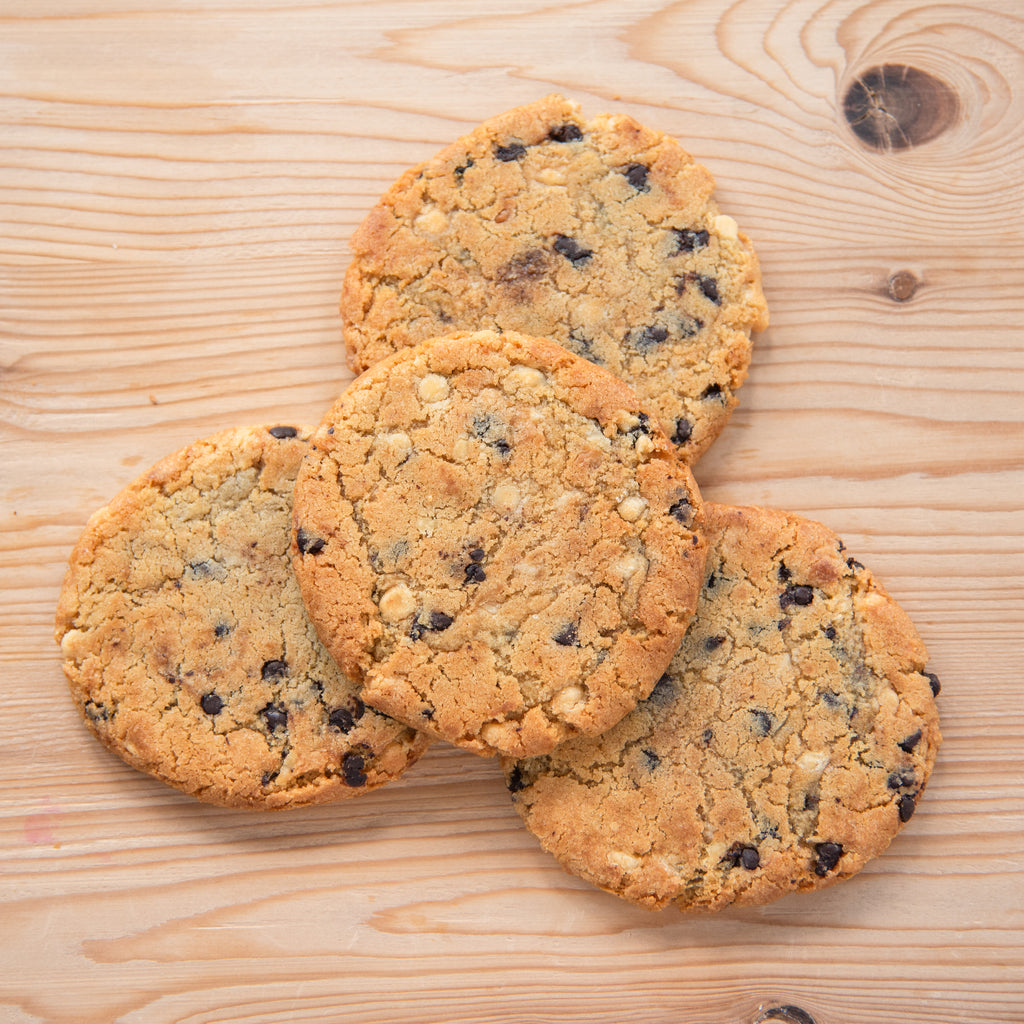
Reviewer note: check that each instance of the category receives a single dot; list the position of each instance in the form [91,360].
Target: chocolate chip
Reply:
[707,736]
[268,777]
[712,391]
[636,175]
[910,742]
[641,428]
[810,801]
[211,704]
[221,630]
[474,574]
[797,594]
[477,554]
[831,699]
[711,581]
[201,569]
[439,621]
[681,511]
[829,631]
[683,431]
[565,133]
[664,691]
[643,339]
[749,858]
[525,266]
[713,643]
[933,682]
[342,718]
[352,768]
[571,250]
[515,781]
[784,573]
[282,432]
[762,722]
[688,240]
[651,759]
[854,564]
[897,780]
[461,170]
[275,716]
[579,343]
[308,544]
[826,857]
[709,289]
[567,636]
[274,670]
[513,151]
[906,806]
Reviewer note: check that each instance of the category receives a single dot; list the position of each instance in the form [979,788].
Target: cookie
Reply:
[497,542]
[788,742]
[187,646]
[602,235]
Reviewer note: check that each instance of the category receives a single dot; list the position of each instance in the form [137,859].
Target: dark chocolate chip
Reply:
[749,858]
[211,704]
[933,682]
[762,722]
[342,718]
[565,133]
[515,781]
[513,151]
[713,643]
[897,780]
[830,632]
[579,343]
[810,801]
[525,266]
[308,544]
[681,511]
[268,777]
[854,564]
[567,636]
[201,569]
[711,581]
[664,691]
[353,769]
[709,289]
[221,630]
[274,670]
[712,391]
[275,716]
[461,170]
[707,736]
[683,431]
[643,339]
[784,573]
[439,621]
[797,594]
[477,554]
[832,700]
[826,857]
[427,713]
[906,805]
[636,175]
[282,432]
[651,760]
[688,240]
[571,250]
[910,742]
[474,574]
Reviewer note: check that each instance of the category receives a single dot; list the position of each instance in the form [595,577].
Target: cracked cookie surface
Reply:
[788,742]
[497,542]
[186,642]
[602,235]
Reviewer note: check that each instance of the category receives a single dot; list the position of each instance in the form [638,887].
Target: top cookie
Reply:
[187,645]
[602,235]
[789,741]
[497,542]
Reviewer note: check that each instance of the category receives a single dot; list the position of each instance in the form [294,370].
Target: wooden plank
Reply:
[178,183]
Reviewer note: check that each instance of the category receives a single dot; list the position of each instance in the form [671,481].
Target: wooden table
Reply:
[178,184]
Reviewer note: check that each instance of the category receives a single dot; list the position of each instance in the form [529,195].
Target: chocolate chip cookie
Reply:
[788,742]
[602,235]
[497,542]
[187,645]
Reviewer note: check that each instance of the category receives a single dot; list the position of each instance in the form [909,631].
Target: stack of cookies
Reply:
[494,539]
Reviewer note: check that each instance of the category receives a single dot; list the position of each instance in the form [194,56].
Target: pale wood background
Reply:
[178,182]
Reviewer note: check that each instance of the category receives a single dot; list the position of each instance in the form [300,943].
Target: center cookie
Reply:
[497,542]
[600,234]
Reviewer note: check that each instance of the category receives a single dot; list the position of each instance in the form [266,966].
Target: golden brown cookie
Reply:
[187,644]
[788,742]
[496,541]
[602,235]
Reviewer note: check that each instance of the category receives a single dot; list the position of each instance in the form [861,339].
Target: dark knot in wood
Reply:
[902,285]
[785,1015]
[895,106]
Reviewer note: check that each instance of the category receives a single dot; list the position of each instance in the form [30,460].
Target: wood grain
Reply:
[178,182]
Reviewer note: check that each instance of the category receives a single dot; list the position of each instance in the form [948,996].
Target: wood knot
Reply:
[902,285]
[784,1015]
[895,106]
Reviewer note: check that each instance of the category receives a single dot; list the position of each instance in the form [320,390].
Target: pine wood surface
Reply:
[178,183]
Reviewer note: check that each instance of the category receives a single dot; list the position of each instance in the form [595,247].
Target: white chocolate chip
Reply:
[551,175]
[400,443]
[461,450]
[644,445]
[432,221]
[397,604]
[725,227]
[433,388]
[630,566]
[426,526]
[493,734]
[567,699]
[811,762]
[632,507]
[523,377]
[505,497]
[626,861]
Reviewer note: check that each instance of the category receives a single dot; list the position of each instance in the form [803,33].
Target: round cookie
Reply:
[787,743]
[602,235]
[497,542]
[187,644]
